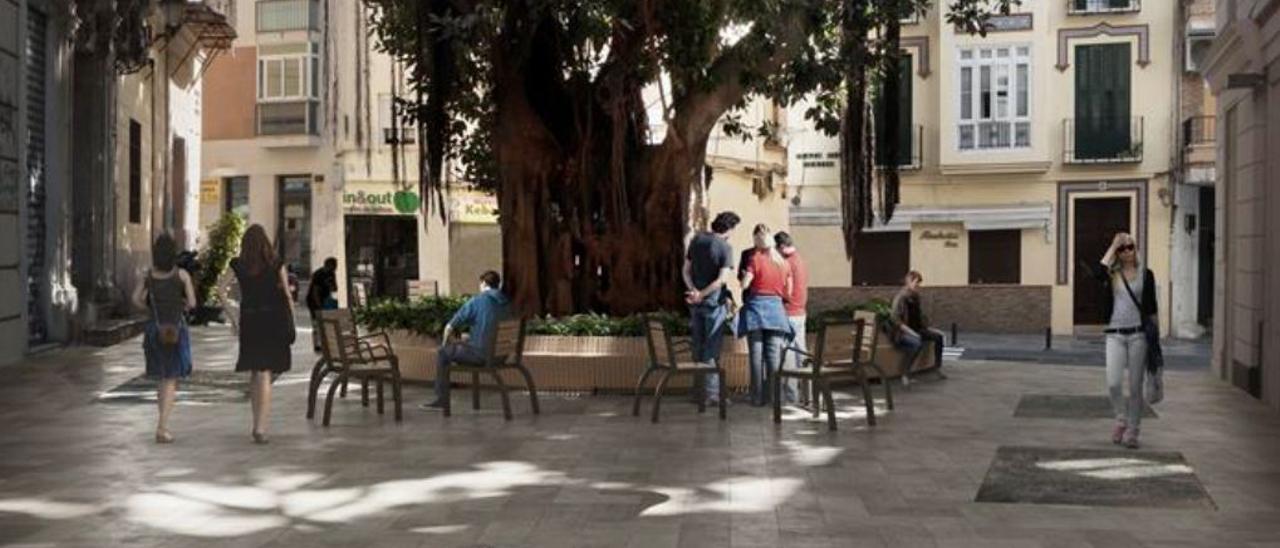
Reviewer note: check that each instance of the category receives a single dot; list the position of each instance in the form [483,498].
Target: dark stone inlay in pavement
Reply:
[1055,406]
[201,387]
[1093,477]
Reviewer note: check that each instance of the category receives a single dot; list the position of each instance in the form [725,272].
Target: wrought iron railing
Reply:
[1094,7]
[908,159]
[1102,140]
[1199,130]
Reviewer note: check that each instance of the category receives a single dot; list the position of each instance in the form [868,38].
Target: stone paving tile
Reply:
[585,473]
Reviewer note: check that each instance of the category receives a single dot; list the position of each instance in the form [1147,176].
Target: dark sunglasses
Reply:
[1125,247]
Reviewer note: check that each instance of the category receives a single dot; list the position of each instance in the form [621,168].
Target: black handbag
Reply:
[1150,330]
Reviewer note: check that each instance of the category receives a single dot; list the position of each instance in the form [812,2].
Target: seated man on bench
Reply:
[910,329]
[482,314]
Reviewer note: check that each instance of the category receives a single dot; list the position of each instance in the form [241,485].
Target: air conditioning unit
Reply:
[1198,44]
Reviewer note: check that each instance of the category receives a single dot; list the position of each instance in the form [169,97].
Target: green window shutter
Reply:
[1102,101]
[1119,4]
[1082,5]
[904,130]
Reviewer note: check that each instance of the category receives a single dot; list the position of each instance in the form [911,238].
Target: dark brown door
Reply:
[881,258]
[1096,222]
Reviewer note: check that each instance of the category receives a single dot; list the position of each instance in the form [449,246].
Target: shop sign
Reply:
[380,202]
[210,192]
[469,206]
[947,237]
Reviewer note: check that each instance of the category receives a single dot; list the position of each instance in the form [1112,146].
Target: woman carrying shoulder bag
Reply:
[265,323]
[165,292]
[1129,300]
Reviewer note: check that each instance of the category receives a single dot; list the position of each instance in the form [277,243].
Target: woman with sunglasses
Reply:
[1129,301]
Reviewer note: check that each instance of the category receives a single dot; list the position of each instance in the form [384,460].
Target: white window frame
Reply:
[310,64]
[1013,119]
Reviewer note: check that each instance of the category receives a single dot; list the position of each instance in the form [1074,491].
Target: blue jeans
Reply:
[912,345]
[797,361]
[765,353]
[706,330]
[446,356]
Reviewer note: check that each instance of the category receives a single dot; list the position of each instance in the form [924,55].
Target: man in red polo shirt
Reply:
[797,301]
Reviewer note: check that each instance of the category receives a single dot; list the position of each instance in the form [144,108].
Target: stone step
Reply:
[114,331]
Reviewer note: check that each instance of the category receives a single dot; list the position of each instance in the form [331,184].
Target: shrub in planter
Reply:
[222,245]
[882,308]
[427,317]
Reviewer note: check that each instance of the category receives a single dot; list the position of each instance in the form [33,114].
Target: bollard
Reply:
[1048,338]
[953,333]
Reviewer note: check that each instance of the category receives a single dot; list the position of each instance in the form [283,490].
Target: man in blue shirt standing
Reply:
[482,314]
[708,267]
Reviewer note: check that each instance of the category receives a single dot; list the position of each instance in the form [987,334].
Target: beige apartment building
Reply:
[298,137]
[1243,68]
[1025,151]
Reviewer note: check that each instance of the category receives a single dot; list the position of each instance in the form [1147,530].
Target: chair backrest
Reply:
[836,340]
[870,336]
[336,338]
[656,337]
[508,343]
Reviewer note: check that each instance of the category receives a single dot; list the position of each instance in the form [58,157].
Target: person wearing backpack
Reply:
[166,293]
[1132,335]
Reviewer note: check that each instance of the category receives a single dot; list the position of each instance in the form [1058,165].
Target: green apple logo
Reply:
[407,202]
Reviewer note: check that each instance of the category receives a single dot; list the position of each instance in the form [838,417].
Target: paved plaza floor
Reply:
[76,471]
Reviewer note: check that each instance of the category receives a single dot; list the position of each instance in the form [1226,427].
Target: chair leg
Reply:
[724,392]
[888,386]
[831,407]
[344,389]
[364,392]
[475,391]
[657,393]
[867,398]
[328,401]
[317,376]
[533,389]
[448,400]
[381,409]
[635,407]
[502,390]
[395,389]
[702,402]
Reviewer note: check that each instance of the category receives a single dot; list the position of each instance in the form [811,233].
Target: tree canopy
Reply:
[541,101]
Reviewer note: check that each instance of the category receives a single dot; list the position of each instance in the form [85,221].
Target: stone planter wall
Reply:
[592,364]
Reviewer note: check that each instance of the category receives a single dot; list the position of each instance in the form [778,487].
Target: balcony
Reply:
[910,158]
[1102,140]
[1199,139]
[288,118]
[287,15]
[408,136]
[1097,7]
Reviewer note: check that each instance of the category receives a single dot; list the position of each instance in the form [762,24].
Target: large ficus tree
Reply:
[541,101]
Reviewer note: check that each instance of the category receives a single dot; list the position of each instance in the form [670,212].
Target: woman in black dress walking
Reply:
[265,325]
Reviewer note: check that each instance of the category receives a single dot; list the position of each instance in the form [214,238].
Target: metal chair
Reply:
[845,350]
[507,353]
[664,358]
[350,356]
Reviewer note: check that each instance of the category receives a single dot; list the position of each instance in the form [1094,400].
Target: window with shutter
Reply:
[904,131]
[1102,123]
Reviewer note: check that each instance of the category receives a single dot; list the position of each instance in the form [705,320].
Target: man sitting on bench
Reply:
[482,314]
[910,328]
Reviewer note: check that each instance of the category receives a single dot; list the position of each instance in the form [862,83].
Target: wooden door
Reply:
[1097,220]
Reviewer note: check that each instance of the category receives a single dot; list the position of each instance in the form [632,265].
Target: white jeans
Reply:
[1126,356]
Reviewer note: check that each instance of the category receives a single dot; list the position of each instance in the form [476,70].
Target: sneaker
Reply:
[1117,434]
[1131,439]
[438,404]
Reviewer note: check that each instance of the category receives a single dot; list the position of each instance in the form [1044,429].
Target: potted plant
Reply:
[223,244]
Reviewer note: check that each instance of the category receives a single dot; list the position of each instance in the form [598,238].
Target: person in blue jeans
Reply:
[911,331]
[708,267]
[481,313]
